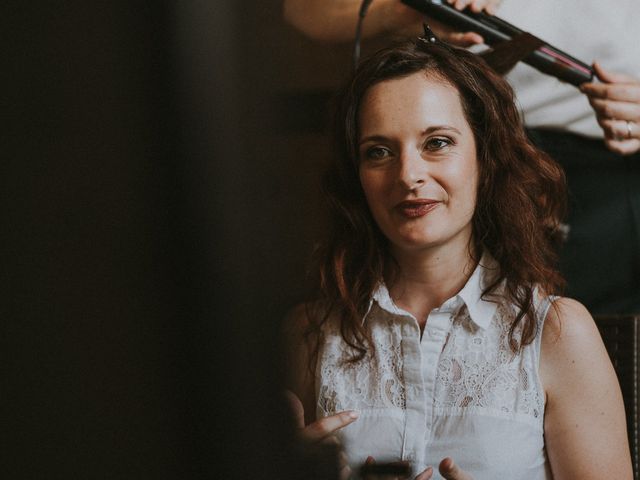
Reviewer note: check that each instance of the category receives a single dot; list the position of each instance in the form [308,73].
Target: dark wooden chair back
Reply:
[620,334]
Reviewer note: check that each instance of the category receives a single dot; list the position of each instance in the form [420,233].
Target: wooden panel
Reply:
[620,336]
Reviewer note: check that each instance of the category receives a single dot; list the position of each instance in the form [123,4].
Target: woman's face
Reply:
[418,164]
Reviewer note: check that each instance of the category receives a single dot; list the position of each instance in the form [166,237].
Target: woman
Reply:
[436,339]
[594,132]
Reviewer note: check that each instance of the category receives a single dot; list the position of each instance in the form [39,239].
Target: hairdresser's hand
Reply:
[465,39]
[401,19]
[616,102]
[323,430]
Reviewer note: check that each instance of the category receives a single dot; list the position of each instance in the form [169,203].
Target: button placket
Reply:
[436,333]
[415,392]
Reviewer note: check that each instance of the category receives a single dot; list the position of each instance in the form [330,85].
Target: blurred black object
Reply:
[140,310]
[382,471]
[498,33]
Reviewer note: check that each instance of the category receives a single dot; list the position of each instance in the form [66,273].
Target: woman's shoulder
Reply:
[567,320]
[571,342]
[306,319]
[296,320]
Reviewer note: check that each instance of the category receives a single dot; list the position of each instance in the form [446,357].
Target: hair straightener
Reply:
[508,42]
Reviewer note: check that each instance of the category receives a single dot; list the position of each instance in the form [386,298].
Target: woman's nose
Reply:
[413,170]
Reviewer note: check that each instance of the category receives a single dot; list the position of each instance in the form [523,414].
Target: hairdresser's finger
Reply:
[619,129]
[487,5]
[616,110]
[476,5]
[450,35]
[608,76]
[326,426]
[296,408]
[426,474]
[449,470]
[626,92]
[463,39]
[492,7]
[459,4]
[623,147]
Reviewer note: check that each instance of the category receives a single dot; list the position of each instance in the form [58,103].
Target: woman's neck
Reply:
[427,278]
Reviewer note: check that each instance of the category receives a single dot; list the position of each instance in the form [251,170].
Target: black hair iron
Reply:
[510,44]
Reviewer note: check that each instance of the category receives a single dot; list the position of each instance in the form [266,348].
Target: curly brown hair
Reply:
[520,201]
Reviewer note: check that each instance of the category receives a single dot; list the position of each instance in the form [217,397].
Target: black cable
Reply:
[364,6]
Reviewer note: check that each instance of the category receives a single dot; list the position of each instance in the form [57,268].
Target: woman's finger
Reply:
[345,473]
[343,465]
[369,461]
[326,426]
[449,470]
[295,405]
[426,474]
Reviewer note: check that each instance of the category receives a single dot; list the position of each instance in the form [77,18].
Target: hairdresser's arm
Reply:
[584,426]
[616,101]
[335,20]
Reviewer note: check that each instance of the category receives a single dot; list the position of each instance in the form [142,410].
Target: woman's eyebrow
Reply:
[434,128]
[427,131]
[373,138]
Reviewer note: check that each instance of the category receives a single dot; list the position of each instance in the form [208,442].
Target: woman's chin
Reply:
[417,244]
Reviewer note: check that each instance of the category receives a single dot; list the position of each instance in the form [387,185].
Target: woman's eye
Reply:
[377,153]
[437,143]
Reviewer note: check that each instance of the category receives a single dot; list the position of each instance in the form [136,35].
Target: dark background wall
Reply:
[159,202]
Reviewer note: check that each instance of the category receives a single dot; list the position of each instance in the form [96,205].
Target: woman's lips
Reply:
[416,208]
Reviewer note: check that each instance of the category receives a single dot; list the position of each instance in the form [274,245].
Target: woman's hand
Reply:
[616,102]
[320,430]
[449,470]
[323,430]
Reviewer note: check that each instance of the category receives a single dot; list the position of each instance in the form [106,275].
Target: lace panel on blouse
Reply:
[477,370]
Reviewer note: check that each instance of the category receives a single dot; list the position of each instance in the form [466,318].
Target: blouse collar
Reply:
[480,310]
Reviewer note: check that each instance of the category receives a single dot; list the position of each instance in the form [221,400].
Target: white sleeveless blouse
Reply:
[458,391]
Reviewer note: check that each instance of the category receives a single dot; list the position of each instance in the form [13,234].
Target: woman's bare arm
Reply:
[300,377]
[585,427]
